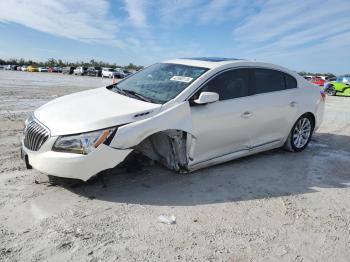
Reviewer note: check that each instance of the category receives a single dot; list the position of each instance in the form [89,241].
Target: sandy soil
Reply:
[275,206]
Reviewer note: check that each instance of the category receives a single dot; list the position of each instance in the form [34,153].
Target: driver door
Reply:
[222,127]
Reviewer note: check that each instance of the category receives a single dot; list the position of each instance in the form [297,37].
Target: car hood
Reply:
[92,110]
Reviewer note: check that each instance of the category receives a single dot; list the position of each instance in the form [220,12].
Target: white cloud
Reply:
[136,10]
[217,11]
[80,19]
[297,33]
[293,23]
[178,12]
[202,12]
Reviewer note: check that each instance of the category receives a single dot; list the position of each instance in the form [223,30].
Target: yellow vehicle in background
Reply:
[32,69]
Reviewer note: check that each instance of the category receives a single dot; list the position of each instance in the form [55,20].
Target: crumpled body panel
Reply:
[163,138]
[174,118]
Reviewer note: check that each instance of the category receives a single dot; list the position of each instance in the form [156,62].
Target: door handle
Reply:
[246,114]
[293,104]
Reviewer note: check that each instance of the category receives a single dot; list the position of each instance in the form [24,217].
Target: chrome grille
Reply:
[35,135]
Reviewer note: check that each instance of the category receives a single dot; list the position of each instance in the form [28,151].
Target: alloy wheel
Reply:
[302,132]
[330,91]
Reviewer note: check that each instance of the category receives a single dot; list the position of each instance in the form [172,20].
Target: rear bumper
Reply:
[75,166]
[319,114]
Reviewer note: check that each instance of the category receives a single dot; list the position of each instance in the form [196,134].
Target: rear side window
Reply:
[267,80]
[230,84]
[290,82]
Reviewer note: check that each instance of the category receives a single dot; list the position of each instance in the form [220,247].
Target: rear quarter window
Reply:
[267,80]
[291,82]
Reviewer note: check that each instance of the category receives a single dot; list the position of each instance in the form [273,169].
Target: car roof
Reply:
[208,62]
[212,63]
[212,59]
[218,62]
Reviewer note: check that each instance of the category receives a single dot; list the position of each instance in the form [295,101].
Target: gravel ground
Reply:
[275,206]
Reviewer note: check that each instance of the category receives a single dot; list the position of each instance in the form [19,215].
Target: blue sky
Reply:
[302,35]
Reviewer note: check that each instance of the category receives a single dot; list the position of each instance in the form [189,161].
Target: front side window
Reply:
[161,82]
[230,84]
[267,80]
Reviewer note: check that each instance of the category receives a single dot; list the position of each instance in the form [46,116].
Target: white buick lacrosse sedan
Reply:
[184,113]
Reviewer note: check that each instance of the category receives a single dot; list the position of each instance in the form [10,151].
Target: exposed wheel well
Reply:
[169,147]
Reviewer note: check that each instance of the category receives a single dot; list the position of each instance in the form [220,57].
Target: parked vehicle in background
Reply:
[68,70]
[94,71]
[32,69]
[108,72]
[80,70]
[2,67]
[119,72]
[127,73]
[43,69]
[98,70]
[323,77]
[58,69]
[341,86]
[52,70]
[24,68]
[186,114]
[19,68]
[318,81]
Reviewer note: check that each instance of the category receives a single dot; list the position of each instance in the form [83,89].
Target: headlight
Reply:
[82,143]
[29,119]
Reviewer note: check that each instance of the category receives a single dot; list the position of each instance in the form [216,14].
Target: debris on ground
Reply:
[167,220]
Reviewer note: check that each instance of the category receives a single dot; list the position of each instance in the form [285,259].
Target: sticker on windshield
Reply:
[184,79]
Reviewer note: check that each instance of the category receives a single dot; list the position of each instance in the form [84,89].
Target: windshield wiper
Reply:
[127,92]
[133,93]
[119,90]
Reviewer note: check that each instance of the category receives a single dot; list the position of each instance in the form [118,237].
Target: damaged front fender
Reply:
[166,137]
[177,117]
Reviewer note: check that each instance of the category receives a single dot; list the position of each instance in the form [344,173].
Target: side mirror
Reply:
[207,97]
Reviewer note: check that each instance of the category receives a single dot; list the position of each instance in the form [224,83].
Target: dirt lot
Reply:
[275,206]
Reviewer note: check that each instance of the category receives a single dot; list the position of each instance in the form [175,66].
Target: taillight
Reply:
[323,96]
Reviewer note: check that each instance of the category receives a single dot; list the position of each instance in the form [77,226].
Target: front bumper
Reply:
[71,165]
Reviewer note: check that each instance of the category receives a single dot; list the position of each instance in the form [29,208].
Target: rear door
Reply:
[274,106]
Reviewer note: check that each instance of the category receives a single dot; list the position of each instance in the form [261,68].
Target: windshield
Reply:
[161,82]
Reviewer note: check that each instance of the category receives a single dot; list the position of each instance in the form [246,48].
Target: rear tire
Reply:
[300,135]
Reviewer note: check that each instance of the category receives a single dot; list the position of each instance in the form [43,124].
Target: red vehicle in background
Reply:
[316,80]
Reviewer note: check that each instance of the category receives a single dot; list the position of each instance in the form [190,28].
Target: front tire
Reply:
[331,91]
[300,135]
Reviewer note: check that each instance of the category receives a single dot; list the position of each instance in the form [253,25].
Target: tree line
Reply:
[51,62]
[303,73]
